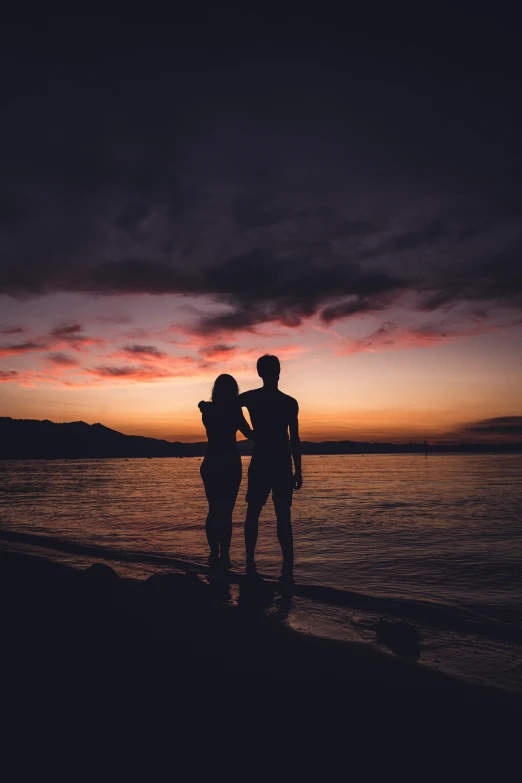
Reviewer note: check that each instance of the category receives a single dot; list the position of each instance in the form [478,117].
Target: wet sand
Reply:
[105,677]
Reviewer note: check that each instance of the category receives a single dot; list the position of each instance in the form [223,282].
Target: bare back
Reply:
[271,413]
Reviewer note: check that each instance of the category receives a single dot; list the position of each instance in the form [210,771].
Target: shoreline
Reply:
[434,615]
[93,659]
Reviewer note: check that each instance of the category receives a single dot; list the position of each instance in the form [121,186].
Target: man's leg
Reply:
[282,493]
[251,529]
[284,533]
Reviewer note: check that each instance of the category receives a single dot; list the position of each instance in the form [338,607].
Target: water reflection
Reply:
[444,529]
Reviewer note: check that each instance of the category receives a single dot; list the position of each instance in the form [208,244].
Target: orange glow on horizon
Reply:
[145,374]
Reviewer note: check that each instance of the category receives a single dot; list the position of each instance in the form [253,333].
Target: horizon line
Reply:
[423,443]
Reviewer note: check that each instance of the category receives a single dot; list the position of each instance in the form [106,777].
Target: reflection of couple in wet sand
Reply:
[276,436]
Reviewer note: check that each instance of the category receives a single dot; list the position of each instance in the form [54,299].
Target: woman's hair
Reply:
[225,388]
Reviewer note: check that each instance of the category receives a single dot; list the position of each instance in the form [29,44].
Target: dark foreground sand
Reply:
[114,679]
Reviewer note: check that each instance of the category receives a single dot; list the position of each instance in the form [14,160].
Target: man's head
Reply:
[268,368]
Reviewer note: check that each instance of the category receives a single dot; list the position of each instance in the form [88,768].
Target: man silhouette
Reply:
[274,419]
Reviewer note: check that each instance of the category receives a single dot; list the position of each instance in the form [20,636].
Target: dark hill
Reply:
[33,439]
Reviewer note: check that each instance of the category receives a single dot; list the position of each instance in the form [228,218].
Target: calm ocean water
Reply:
[436,541]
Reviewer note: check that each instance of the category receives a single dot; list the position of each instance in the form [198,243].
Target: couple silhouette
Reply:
[275,465]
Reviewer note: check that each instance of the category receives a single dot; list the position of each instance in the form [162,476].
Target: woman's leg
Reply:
[225,538]
[212,527]
[212,531]
[230,486]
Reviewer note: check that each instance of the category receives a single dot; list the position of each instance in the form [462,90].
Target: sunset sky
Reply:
[176,201]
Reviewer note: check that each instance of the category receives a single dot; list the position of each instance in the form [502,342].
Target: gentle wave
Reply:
[440,616]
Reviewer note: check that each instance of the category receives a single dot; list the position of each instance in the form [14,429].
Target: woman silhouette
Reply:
[221,469]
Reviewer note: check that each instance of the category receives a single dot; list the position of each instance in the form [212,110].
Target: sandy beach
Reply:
[103,674]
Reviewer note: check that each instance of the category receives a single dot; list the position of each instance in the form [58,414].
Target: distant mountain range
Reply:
[32,439]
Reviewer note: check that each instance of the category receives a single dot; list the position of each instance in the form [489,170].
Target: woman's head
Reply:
[225,388]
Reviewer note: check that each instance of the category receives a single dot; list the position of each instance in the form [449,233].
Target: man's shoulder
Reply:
[264,398]
[248,395]
[291,402]
[249,398]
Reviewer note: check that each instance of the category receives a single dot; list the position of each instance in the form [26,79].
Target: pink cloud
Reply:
[72,336]
[144,356]
[155,368]
[137,373]
[143,350]
[218,352]
[69,336]
[25,378]
[15,349]
[392,337]
[289,350]
[62,359]
[8,375]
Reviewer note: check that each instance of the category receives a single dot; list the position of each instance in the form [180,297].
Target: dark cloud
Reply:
[143,372]
[509,426]
[8,375]
[218,350]
[354,305]
[283,181]
[73,336]
[107,371]
[21,348]
[260,288]
[144,350]
[68,332]
[12,330]
[117,320]
[495,279]
[61,359]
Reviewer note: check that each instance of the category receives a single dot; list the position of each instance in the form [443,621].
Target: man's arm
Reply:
[295,446]
[243,399]
[244,427]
